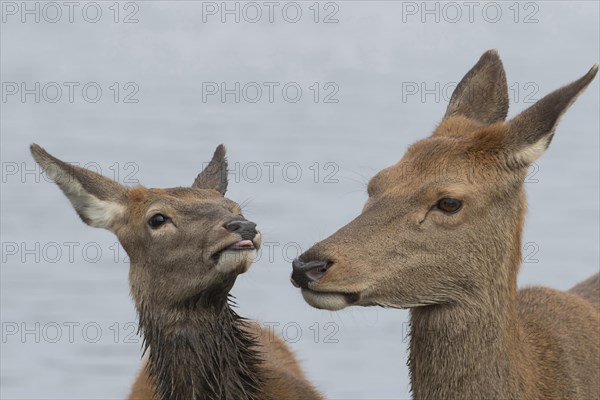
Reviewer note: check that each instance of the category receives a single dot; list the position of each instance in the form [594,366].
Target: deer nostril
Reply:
[240,224]
[318,270]
[297,264]
[305,272]
[246,229]
[233,226]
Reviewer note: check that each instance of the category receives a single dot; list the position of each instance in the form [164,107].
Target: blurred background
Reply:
[311,99]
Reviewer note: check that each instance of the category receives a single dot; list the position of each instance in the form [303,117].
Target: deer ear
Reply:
[482,94]
[99,201]
[529,134]
[214,176]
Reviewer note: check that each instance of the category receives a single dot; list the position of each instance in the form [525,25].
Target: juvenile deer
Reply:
[187,246]
[441,235]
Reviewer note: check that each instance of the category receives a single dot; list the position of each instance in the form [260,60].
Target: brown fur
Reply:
[181,273]
[473,334]
[286,377]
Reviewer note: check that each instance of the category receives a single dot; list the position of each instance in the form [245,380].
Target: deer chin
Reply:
[237,257]
[332,301]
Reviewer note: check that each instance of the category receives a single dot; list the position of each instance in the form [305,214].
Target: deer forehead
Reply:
[178,200]
[458,158]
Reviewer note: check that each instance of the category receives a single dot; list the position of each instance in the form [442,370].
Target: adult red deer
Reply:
[441,235]
[187,246]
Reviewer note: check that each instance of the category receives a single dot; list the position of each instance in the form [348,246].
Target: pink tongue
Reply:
[244,244]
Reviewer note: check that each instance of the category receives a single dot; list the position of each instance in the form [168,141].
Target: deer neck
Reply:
[201,350]
[468,349]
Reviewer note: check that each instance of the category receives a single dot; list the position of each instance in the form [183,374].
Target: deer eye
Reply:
[449,205]
[157,220]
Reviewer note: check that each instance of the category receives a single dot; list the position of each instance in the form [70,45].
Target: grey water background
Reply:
[68,324]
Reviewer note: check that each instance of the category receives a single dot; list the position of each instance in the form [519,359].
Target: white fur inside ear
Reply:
[95,212]
[52,170]
[101,213]
[533,151]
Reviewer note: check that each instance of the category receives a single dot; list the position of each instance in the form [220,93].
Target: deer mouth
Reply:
[331,301]
[237,246]
[237,256]
[241,245]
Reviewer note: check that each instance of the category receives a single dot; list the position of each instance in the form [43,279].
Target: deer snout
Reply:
[246,229]
[305,272]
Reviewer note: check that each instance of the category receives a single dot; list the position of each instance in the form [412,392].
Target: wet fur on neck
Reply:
[202,351]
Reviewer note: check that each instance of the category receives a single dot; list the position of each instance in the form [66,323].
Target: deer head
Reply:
[185,244]
[444,223]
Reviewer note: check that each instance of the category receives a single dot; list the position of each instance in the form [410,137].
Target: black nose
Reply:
[305,272]
[246,229]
